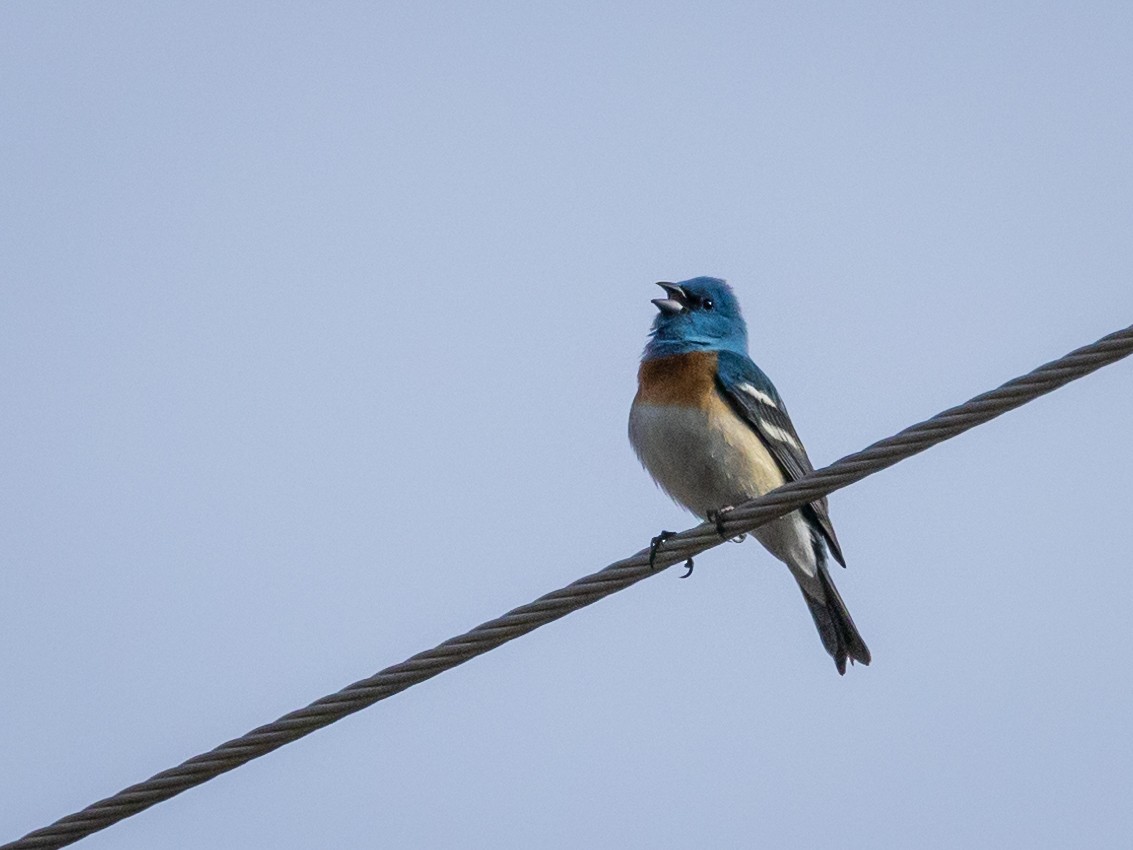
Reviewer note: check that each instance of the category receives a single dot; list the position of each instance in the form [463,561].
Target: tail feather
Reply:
[835,626]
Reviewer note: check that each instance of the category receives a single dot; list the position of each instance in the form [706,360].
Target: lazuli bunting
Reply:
[713,432]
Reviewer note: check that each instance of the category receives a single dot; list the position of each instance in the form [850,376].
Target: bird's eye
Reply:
[707,305]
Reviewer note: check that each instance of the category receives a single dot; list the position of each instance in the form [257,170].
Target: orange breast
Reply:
[684,380]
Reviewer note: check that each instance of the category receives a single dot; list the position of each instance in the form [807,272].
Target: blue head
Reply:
[701,314]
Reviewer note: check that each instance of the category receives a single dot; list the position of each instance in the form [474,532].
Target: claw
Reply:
[655,544]
[688,564]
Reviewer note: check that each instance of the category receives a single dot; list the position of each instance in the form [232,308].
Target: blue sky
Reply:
[319,325]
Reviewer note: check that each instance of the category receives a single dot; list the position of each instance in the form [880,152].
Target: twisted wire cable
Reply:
[585,591]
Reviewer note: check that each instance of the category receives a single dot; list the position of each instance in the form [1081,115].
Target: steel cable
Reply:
[579,594]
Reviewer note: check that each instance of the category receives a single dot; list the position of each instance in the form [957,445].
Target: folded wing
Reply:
[752,395]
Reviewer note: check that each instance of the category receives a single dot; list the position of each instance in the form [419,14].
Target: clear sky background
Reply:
[319,326]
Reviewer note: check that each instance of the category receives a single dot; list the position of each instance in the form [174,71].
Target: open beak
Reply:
[677,299]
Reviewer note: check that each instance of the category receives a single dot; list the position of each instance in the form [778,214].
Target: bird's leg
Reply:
[716,517]
[655,544]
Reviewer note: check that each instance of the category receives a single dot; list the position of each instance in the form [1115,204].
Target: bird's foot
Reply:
[716,517]
[655,544]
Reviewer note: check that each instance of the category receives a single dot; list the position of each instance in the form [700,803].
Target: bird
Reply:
[713,432]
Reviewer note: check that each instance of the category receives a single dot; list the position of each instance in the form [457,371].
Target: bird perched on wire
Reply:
[713,432]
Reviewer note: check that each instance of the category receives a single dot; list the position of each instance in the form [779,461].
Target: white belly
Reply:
[703,461]
[709,460]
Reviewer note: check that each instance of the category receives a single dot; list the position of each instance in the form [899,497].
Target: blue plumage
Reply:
[713,324]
